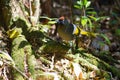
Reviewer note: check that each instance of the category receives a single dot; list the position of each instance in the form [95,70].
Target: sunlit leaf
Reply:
[87,33]
[77,70]
[44,17]
[77,6]
[51,22]
[79,3]
[83,32]
[12,33]
[84,2]
[88,4]
[84,21]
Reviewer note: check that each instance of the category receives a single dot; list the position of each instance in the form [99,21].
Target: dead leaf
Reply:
[77,71]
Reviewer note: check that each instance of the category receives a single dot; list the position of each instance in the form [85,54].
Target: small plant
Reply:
[87,14]
[89,20]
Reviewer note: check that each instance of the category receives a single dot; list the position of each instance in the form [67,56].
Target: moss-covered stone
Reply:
[21,53]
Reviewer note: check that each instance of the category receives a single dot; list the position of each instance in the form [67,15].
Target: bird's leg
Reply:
[71,44]
[76,42]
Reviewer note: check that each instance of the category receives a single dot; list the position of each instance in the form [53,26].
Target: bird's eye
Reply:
[60,22]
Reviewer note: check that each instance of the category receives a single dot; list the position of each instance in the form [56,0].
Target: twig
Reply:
[26,63]
[52,63]
[5,74]
[23,74]
[30,8]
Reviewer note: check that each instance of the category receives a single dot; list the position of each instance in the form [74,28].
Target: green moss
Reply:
[20,49]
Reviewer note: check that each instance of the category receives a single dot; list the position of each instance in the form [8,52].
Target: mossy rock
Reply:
[21,53]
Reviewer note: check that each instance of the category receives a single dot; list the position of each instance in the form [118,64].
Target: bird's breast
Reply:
[65,33]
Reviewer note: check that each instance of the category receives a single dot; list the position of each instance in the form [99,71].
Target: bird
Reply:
[66,30]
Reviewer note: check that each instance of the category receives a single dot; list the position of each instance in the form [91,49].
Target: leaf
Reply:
[89,8]
[106,38]
[44,17]
[93,34]
[84,2]
[12,33]
[46,20]
[78,71]
[84,21]
[77,6]
[79,3]
[88,4]
[87,33]
[91,12]
[93,18]
[52,22]
[83,32]
[90,23]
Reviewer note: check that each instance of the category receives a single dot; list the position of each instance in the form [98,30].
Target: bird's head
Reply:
[62,18]
[62,21]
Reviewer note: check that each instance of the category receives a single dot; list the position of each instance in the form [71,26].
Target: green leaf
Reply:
[77,6]
[106,38]
[90,23]
[84,2]
[88,4]
[79,3]
[51,22]
[84,21]
[50,19]
[93,18]
[101,18]
[91,12]
[44,17]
